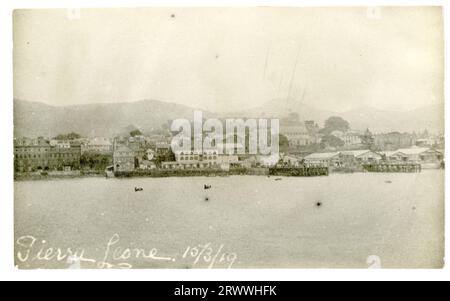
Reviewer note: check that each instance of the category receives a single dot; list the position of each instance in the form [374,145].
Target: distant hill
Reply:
[430,117]
[281,107]
[34,119]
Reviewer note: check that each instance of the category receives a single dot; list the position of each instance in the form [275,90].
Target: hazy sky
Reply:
[231,59]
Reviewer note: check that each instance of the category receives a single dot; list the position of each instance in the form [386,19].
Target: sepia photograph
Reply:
[229,137]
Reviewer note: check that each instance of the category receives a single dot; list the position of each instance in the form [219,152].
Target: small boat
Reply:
[138,189]
[206,199]
[388,181]
[206,186]
[278,179]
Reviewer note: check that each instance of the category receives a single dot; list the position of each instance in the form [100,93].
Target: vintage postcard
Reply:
[252,137]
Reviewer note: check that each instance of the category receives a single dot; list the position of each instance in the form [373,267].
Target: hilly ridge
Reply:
[32,119]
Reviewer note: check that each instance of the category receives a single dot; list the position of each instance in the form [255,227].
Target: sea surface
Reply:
[357,220]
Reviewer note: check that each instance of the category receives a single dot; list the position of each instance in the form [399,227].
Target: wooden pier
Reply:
[393,167]
[306,171]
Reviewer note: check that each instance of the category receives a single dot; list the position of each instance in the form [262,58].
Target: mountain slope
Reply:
[37,119]
[430,117]
[34,119]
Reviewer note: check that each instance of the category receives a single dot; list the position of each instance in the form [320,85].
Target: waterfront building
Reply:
[38,154]
[364,156]
[394,140]
[171,165]
[332,159]
[146,164]
[431,141]
[394,156]
[422,155]
[228,161]
[195,159]
[204,159]
[351,139]
[64,158]
[30,154]
[299,135]
[123,158]
[327,159]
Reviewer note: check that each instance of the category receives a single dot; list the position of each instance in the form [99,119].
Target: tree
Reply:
[136,132]
[335,123]
[367,139]
[69,136]
[283,141]
[95,160]
[331,141]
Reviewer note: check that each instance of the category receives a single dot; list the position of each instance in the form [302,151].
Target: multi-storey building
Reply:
[60,158]
[123,158]
[394,140]
[38,154]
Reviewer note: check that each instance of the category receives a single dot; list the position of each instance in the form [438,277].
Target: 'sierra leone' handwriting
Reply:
[29,249]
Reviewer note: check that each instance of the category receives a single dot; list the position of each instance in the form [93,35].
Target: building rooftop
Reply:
[123,148]
[413,150]
[356,153]
[100,141]
[390,153]
[321,155]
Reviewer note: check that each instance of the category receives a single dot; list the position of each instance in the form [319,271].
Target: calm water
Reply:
[248,221]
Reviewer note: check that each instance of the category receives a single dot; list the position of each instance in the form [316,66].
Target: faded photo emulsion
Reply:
[256,137]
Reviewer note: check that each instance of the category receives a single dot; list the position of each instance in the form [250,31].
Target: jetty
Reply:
[304,171]
[393,167]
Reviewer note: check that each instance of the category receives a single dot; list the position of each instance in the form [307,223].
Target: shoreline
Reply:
[178,173]
[39,177]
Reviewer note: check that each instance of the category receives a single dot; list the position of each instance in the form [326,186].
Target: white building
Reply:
[205,159]
[298,135]
[364,155]
[328,159]
[421,154]
[60,143]
[394,156]
[350,138]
